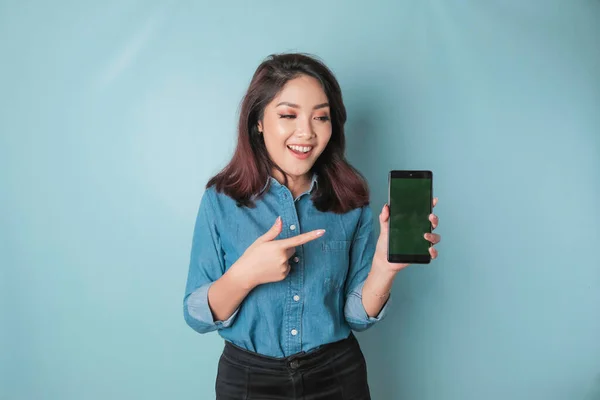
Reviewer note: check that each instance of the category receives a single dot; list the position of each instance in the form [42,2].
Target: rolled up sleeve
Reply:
[361,258]
[206,266]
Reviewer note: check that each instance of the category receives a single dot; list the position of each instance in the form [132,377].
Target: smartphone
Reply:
[410,200]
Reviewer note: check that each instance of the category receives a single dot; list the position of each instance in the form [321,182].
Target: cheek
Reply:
[324,139]
[275,145]
[277,133]
[275,140]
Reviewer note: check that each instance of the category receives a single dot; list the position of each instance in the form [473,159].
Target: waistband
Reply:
[303,360]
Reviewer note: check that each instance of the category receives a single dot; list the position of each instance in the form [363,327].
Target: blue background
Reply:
[114,114]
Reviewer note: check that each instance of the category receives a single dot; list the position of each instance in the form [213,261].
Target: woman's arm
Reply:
[211,297]
[378,284]
[226,294]
[362,307]
[376,290]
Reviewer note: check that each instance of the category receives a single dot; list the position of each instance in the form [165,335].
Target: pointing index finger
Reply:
[302,238]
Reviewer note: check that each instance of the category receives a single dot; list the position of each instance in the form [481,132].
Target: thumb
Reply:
[272,233]
[384,219]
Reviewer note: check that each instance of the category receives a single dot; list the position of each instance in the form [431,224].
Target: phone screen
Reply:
[410,202]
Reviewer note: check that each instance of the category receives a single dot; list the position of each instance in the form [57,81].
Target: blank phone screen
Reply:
[410,206]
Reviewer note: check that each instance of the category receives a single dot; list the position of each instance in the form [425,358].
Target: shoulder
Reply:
[220,202]
[366,216]
[362,214]
[211,194]
[207,199]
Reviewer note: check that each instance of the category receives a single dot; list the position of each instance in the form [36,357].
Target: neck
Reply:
[296,184]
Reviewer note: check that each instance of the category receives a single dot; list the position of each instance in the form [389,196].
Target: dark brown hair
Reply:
[340,188]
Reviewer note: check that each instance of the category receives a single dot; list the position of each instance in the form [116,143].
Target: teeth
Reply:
[302,149]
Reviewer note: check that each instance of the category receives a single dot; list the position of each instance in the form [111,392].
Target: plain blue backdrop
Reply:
[114,114]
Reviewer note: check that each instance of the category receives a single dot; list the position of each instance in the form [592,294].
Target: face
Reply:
[297,126]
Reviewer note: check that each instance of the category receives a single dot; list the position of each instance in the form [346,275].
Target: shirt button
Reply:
[296,259]
[294,332]
[293,227]
[296,298]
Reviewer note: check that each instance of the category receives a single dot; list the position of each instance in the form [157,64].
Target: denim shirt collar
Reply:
[313,184]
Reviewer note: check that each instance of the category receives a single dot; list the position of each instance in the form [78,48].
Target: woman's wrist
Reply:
[379,283]
[238,278]
[381,270]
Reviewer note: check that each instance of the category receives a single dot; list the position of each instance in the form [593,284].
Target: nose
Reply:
[304,128]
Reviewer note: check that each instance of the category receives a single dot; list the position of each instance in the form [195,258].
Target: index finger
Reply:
[302,238]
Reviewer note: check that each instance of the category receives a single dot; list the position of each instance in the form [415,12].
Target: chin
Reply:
[298,171]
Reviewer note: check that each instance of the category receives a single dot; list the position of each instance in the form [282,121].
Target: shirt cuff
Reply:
[198,309]
[355,312]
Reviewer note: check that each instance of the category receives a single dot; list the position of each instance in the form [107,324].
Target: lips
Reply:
[300,154]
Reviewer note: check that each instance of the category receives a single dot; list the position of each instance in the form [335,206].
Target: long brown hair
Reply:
[340,188]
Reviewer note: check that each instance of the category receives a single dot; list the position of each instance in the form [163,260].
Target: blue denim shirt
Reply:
[319,301]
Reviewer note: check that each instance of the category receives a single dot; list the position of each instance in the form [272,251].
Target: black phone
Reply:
[410,200]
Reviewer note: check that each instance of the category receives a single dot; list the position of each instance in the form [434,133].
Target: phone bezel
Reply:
[409,174]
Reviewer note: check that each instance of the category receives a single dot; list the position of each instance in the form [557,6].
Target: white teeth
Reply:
[302,149]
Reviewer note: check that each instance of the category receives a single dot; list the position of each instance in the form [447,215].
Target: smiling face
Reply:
[296,126]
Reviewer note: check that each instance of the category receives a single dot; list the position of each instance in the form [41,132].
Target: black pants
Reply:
[335,371]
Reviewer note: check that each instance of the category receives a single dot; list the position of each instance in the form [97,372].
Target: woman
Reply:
[284,263]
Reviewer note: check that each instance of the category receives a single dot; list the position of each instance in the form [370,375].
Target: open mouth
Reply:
[301,152]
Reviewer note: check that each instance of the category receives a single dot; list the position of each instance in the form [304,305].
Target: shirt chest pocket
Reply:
[336,260]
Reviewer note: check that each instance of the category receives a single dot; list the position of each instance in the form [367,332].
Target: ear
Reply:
[260,127]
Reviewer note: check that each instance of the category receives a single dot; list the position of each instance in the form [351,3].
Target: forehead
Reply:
[305,91]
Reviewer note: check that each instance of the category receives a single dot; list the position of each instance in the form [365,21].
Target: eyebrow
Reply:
[285,103]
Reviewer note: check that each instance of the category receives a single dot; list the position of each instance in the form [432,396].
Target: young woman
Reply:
[284,262]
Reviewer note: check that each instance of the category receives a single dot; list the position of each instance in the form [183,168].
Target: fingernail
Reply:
[320,232]
[426,236]
[278,220]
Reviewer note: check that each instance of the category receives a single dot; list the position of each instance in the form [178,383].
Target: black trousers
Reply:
[335,371]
